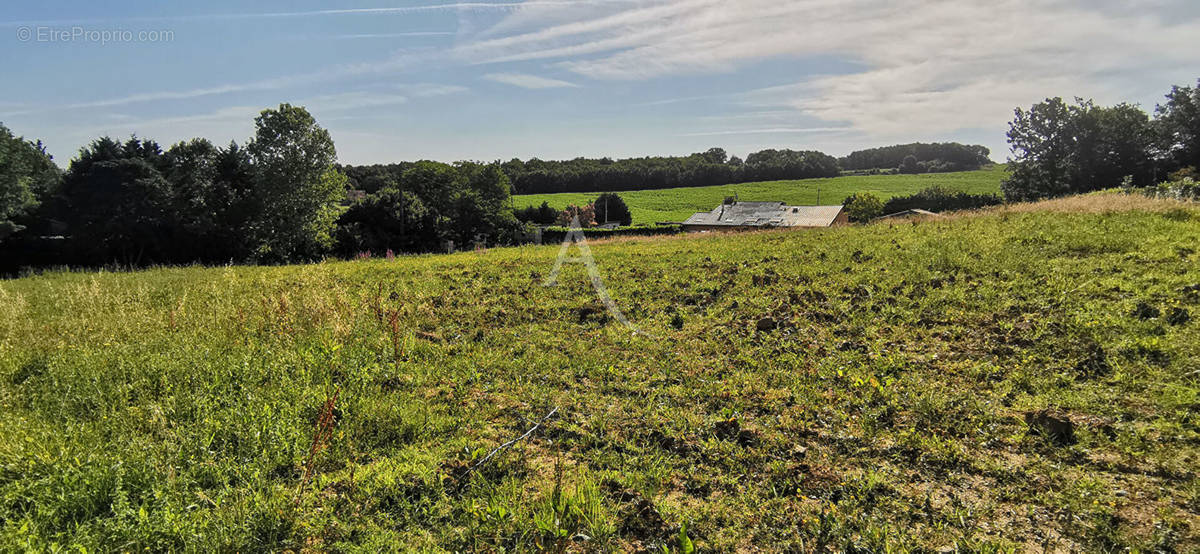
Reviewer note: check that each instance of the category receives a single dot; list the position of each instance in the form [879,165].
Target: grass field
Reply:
[861,388]
[649,206]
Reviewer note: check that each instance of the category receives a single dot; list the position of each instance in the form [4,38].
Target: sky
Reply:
[555,79]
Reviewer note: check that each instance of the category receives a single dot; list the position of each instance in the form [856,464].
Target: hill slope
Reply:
[649,206]
[862,387]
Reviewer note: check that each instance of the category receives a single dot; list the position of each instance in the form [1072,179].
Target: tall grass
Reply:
[883,409]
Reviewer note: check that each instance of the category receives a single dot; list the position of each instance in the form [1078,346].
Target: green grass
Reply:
[650,206]
[174,409]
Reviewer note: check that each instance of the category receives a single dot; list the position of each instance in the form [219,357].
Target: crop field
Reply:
[650,206]
[1023,379]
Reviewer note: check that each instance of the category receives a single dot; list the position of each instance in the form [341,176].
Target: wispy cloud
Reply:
[453,6]
[926,67]
[527,81]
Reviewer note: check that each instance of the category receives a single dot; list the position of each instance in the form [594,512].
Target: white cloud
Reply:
[527,81]
[927,67]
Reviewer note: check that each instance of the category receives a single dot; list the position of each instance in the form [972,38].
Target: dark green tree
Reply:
[715,156]
[27,177]
[1177,123]
[212,201]
[540,215]
[910,165]
[117,204]
[390,219]
[296,184]
[1063,149]
[611,208]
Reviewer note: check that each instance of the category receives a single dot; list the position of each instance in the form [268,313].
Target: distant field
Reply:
[677,204]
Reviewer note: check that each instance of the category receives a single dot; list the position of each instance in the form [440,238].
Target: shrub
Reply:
[863,206]
[940,199]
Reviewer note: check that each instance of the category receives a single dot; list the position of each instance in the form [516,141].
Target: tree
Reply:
[1178,127]
[116,202]
[611,208]
[863,206]
[27,176]
[541,215]
[910,165]
[1066,149]
[715,155]
[212,200]
[932,157]
[296,183]
[390,219]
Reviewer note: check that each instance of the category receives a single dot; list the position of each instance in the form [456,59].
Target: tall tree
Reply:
[117,202]
[610,208]
[211,200]
[27,177]
[296,183]
[1064,149]
[1178,126]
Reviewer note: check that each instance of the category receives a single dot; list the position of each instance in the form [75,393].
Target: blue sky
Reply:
[557,79]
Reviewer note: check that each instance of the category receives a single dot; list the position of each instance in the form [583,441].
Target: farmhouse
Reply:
[760,215]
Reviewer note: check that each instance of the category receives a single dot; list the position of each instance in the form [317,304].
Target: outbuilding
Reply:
[764,215]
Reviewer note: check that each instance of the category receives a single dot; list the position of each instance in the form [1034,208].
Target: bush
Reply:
[1183,189]
[541,215]
[863,206]
[940,199]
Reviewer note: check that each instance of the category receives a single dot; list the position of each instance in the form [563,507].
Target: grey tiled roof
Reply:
[766,214]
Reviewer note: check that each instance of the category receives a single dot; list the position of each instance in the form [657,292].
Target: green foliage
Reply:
[117,202]
[652,206]
[610,208]
[295,180]
[174,408]
[712,167]
[27,177]
[940,199]
[541,215]
[1177,123]
[910,166]
[1065,149]
[684,542]
[926,158]
[863,206]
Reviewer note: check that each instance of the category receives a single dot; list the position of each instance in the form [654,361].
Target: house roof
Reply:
[766,214]
[916,212]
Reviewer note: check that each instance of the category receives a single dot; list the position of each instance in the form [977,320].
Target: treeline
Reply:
[712,167]
[937,157]
[278,198]
[1061,148]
